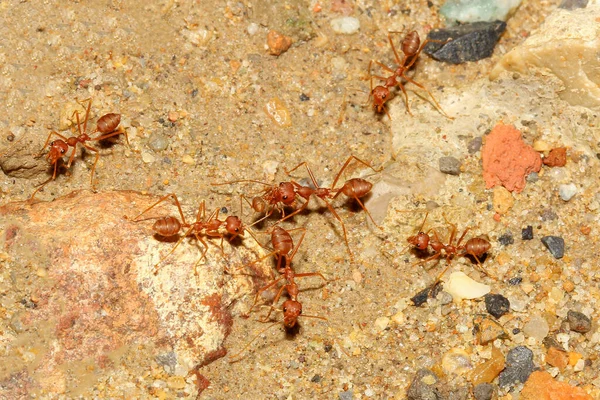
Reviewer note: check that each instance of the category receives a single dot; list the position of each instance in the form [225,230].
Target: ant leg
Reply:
[430,95]
[263,289]
[90,148]
[336,215]
[160,201]
[400,63]
[461,237]
[298,210]
[111,134]
[352,157]
[382,65]
[367,211]
[48,141]
[275,300]
[203,256]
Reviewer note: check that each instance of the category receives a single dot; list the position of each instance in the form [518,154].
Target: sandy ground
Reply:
[191,84]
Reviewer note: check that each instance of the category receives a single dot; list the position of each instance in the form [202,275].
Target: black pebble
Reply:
[430,291]
[579,322]
[419,390]
[527,233]
[506,239]
[471,42]
[496,304]
[519,365]
[304,97]
[555,244]
[515,281]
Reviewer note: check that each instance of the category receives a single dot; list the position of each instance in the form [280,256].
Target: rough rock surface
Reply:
[541,386]
[87,274]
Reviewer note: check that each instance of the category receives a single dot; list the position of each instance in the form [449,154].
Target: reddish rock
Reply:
[557,358]
[507,160]
[94,295]
[541,386]
[278,43]
[556,158]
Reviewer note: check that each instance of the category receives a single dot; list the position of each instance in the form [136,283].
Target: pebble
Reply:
[147,157]
[527,233]
[475,145]
[556,157]
[567,191]
[278,43]
[554,244]
[252,28]
[158,141]
[557,358]
[345,25]
[347,395]
[487,330]
[515,281]
[532,177]
[423,386]
[541,386]
[573,4]
[460,286]
[537,327]
[449,165]
[478,10]
[483,391]
[421,297]
[488,370]
[471,42]
[381,323]
[502,200]
[456,361]
[187,159]
[496,304]
[519,365]
[278,112]
[579,322]
[506,239]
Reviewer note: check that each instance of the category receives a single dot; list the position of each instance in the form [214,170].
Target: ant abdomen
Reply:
[167,226]
[108,123]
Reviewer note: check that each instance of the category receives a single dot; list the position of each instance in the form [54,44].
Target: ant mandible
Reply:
[107,125]
[411,47]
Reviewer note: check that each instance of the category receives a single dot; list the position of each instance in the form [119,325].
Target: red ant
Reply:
[355,188]
[283,246]
[475,247]
[170,226]
[107,125]
[411,47]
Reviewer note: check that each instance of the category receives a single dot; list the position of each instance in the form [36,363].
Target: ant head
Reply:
[381,94]
[292,309]
[58,148]
[234,225]
[287,193]
[420,241]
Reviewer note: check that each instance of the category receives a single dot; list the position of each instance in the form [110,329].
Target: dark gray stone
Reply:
[475,145]
[519,365]
[449,165]
[419,390]
[496,304]
[579,322]
[527,233]
[506,239]
[483,391]
[554,244]
[471,42]
[532,177]
[573,4]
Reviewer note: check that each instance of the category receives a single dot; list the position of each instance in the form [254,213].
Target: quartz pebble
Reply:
[345,25]
[519,365]
[460,286]
[537,328]
[496,304]
[579,322]
[478,10]
[554,244]
[487,371]
[456,361]
[567,191]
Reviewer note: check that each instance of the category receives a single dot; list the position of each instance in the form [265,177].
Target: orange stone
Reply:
[557,358]
[278,43]
[557,157]
[507,159]
[541,386]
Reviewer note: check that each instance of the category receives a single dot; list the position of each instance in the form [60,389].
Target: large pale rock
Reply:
[566,46]
[87,295]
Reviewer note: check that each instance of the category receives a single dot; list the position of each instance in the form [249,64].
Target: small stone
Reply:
[496,304]
[567,191]
[173,116]
[541,146]
[252,28]
[475,145]
[487,330]
[449,165]
[554,244]
[278,112]
[460,286]
[470,42]
[533,177]
[158,142]
[147,157]
[345,25]
[506,239]
[548,215]
[541,386]
[573,4]
[556,158]
[187,159]
[304,97]
[579,322]
[502,200]
[278,43]
[456,361]
[483,391]
[488,370]
[527,233]
[478,10]
[557,358]
[568,286]
[421,297]
[537,327]
[519,365]
[423,386]
[515,281]
[381,323]
[347,395]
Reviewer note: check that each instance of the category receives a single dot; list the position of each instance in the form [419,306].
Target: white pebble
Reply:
[252,28]
[347,25]
[187,159]
[381,323]
[270,167]
[579,365]
[147,157]
[567,191]
[537,328]
[460,286]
